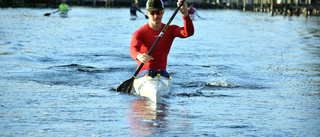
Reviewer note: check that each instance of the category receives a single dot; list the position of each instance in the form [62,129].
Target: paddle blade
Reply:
[47,14]
[126,86]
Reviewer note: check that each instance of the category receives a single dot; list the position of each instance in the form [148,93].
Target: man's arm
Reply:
[57,10]
[187,30]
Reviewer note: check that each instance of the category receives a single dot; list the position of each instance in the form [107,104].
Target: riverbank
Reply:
[287,7]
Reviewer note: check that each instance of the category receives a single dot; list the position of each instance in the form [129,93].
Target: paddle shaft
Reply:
[143,14]
[159,37]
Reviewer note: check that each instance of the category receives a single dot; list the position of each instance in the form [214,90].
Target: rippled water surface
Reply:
[241,74]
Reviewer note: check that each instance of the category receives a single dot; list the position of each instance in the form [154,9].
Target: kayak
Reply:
[133,17]
[191,16]
[152,88]
[63,15]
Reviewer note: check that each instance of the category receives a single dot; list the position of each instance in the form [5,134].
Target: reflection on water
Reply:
[146,117]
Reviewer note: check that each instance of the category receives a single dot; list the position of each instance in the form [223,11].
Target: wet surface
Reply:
[241,74]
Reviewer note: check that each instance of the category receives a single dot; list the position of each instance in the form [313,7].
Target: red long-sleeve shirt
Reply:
[143,39]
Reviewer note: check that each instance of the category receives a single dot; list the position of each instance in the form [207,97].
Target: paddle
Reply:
[201,18]
[126,86]
[143,14]
[47,14]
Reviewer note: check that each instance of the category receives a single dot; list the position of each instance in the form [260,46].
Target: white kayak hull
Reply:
[133,17]
[152,88]
[63,15]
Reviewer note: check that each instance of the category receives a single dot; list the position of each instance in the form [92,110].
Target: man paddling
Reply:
[63,8]
[193,11]
[133,10]
[143,39]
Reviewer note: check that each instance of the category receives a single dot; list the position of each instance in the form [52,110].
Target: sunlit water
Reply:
[241,74]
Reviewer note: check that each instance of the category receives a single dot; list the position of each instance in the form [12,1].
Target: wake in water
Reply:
[221,83]
[207,89]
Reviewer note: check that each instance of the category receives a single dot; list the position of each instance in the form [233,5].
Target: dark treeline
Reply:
[286,7]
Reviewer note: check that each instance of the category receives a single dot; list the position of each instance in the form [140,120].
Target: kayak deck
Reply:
[63,15]
[152,88]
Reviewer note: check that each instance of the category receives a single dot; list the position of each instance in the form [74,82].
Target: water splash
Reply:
[221,83]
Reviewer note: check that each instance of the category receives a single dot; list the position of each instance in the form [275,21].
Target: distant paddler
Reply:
[133,11]
[63,9]
[192,12]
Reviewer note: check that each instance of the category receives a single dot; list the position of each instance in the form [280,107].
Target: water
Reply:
[241,74]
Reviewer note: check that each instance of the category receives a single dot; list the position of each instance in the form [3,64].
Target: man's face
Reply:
[155,16]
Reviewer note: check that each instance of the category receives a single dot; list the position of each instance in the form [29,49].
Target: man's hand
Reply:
[184,8]
[143,57]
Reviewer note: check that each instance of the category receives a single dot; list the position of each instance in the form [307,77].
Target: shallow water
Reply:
[241,74]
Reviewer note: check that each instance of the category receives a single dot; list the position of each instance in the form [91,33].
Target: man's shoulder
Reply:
[143,28]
